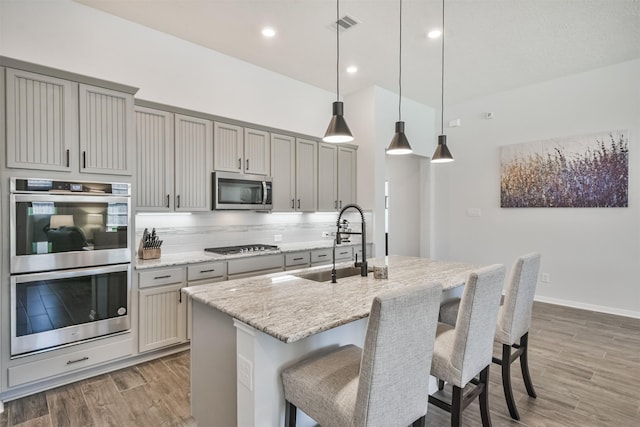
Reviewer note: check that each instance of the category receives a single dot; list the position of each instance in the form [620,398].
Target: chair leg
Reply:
[524,365]
[456,407]
[506,381]
[420,422]
[289,414]
[484,397]
[440,384]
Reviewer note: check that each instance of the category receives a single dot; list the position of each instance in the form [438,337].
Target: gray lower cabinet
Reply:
[162,308]
[59,125]
[296,260]
[254,266]
[336,176]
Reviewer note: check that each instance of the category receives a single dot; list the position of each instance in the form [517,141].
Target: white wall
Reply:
[592,255]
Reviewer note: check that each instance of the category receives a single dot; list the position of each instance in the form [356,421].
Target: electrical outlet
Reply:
[325,234]
[245,372]
[277,238]
[546,278]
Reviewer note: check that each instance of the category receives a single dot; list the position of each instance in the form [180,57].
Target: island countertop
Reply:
[290,308]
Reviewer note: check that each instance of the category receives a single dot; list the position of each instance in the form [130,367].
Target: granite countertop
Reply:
[291,308]
[193,257]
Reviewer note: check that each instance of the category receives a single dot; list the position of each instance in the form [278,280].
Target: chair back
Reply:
[514,318]
[396,358]
[475,324]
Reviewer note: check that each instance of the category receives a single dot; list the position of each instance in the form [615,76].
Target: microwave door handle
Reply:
[264,192]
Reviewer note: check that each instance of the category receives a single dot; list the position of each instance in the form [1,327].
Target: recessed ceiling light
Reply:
[268,32]
[434,34]
[352,69]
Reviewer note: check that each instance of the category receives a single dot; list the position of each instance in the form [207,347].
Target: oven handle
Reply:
[64,274]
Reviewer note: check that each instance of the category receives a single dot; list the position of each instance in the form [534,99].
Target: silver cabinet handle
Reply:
[82,359]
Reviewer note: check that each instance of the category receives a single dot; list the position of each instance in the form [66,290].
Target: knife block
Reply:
[153,253]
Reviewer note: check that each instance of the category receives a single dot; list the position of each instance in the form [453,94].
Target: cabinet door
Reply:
[256,152]
[306,175]
[163,317]
[283,172]
[154,144]
[107,133]
[228,143]
[193,152]
[347,173]
[42,121]
[327,176]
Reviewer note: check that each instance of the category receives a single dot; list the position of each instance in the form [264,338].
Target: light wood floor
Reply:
[585,367]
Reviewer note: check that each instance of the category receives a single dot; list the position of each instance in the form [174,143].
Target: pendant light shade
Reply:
[338,131]
[442,153]
[399,143]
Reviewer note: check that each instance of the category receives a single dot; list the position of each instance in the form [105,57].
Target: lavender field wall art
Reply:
[586,171]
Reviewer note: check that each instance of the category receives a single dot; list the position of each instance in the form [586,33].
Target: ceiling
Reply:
[490,45]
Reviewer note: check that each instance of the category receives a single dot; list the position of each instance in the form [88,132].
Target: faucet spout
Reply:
[363,263]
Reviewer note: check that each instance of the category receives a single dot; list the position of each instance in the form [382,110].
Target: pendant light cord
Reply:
[338,50]
[442,78]
[400,68]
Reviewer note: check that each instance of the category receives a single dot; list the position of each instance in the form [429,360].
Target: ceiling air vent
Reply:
[345,23]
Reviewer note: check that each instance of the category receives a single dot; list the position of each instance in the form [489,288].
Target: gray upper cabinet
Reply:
[42,121]
[256,152]
[228,141]
[347,175]
[283,172]
[106,131]
[155,145]
[337,176]
[306,175]
[193,154]
[327,180]
[241,150]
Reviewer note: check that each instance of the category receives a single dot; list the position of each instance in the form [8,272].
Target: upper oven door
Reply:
[238,191]
[57,231]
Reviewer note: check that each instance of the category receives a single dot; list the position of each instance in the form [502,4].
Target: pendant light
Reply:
[399,142]
[338,130]
[442,153]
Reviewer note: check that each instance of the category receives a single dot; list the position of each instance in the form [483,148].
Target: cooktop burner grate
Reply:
[241,249]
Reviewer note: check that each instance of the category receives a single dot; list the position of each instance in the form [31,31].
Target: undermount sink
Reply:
[325,276]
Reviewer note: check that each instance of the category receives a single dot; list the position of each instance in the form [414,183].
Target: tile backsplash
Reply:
[186,233]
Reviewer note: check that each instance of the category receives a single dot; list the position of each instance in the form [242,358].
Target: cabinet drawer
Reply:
[254,263]
[207,270]
[160,277]
[69,362]
[297,258]
[343,254]
[322,256]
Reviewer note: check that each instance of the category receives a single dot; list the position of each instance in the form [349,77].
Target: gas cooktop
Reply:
[242,249]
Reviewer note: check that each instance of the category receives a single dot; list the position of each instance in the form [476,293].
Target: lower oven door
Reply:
[60,307]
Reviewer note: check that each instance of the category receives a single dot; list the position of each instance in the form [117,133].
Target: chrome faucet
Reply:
[362,264]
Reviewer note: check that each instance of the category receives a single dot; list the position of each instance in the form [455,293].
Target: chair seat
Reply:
[326,384]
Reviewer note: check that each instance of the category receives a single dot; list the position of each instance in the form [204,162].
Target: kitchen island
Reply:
[246,331]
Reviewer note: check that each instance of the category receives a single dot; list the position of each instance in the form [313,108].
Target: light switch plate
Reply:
[245,372]
[475,212]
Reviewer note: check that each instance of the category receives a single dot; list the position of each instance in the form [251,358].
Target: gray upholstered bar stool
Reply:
[463,352]
[386,383]
[514,321]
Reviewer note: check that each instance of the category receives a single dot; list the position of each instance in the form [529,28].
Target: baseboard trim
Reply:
[591,307]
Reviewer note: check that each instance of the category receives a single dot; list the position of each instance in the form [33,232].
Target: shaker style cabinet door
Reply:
[256,152]
[42,121]
[306,175]
[283,172]
[193,153]
[163,317]
[154,145]
[228,142]
[107,133]
[327,177]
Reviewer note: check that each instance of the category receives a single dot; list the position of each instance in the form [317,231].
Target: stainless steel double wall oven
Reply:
[70,262]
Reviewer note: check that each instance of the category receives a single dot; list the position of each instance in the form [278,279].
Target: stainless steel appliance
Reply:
[241,249]
[240,191]
[70,262]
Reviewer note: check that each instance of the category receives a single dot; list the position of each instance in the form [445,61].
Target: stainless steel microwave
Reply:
[241,191]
